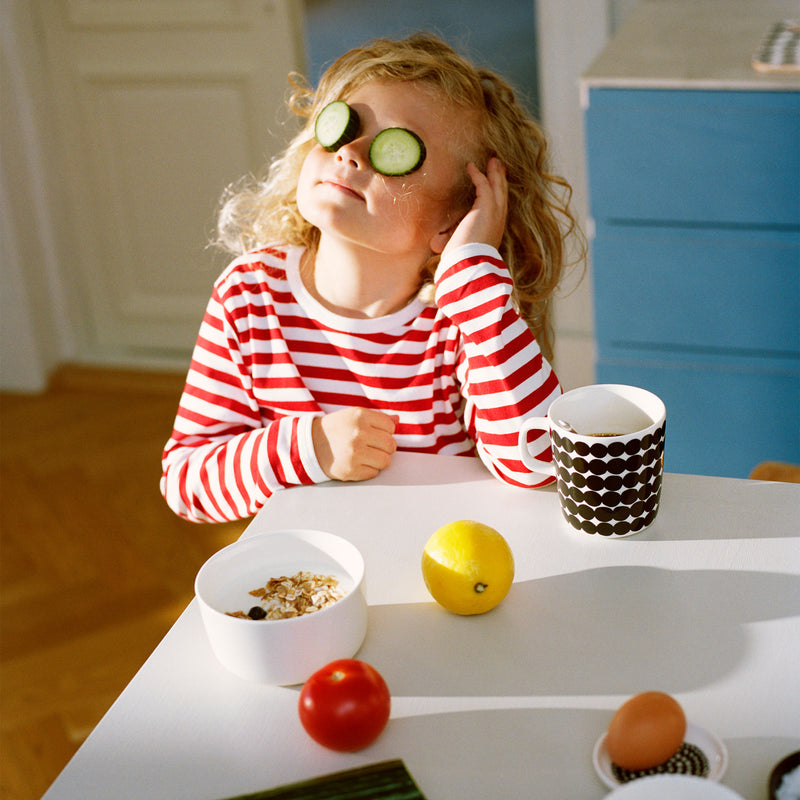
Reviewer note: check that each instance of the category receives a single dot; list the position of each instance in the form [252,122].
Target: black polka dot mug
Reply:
[608,456]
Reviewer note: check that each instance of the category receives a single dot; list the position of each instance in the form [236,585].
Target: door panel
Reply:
[159,105]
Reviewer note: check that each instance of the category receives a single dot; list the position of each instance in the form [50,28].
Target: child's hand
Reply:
[353,444]
[485,222]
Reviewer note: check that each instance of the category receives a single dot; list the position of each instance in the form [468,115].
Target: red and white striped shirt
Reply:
[460,376]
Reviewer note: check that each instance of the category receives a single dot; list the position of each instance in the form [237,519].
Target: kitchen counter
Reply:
[693,44]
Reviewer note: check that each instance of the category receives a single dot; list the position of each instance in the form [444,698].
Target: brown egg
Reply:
[646,731]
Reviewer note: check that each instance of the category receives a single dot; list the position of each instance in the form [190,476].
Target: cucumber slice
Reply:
[396,151]
[336,125]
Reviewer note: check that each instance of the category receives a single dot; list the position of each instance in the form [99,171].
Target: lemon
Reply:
[468,567]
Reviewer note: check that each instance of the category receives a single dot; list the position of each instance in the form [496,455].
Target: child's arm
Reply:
[228,454]
[503,375]
[214,471]
[222,470]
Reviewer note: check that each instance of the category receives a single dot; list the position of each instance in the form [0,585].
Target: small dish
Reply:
[282,652]
[670,787]
[713,748]
[784,767]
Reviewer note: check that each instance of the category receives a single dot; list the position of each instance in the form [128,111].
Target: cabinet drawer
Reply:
[719,421]
[734,292]
[694,156]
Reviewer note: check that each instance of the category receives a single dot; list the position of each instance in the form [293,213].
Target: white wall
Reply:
[35,330]
[570,36]
[122,124]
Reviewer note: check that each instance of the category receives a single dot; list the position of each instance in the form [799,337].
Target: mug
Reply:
[608,456]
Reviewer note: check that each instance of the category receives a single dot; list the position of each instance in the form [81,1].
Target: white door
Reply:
[158,104]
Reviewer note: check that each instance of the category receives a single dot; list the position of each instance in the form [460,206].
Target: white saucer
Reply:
[712,747]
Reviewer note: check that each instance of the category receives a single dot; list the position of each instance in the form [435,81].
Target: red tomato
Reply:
[345,705]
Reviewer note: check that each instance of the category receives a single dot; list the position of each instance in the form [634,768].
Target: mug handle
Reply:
[534,464]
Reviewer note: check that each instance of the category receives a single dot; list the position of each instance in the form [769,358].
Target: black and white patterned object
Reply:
[611,487]
[689,760]
[779,50]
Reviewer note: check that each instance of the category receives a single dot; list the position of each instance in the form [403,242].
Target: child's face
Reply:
[412,215]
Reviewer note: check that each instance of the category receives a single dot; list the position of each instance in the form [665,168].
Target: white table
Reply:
[704,605]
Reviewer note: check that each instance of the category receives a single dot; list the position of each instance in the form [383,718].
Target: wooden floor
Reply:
[94,568]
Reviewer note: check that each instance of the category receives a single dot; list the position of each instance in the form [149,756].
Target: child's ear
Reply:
[440,239]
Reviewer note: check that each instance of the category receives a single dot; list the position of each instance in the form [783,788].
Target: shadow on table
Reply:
[695,507]
[542,752]
[752,759]
[615,630]
[516,754]
[419,469]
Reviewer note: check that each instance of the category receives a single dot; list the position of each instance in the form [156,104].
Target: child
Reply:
[394,292]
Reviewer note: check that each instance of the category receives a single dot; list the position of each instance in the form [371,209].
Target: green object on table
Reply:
[387,780]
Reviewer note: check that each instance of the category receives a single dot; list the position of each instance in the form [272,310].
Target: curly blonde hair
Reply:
[257,212]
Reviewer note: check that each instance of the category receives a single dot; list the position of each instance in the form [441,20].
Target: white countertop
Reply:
[704,605]
[693,44]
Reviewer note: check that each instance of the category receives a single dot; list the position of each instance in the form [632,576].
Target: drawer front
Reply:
[709,157]
[719,422]
[729,292]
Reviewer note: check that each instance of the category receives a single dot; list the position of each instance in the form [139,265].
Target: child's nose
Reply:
[356,153]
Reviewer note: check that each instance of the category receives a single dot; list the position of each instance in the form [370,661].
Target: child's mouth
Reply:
[343,188]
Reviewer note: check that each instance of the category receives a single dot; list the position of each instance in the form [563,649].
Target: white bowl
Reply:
[673,787]
[282,651]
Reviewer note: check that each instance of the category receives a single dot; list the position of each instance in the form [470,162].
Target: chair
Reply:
[776,471]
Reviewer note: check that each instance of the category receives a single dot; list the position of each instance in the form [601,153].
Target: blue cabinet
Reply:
[695,197]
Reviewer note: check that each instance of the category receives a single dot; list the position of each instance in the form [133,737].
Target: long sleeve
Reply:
[457,377]
[503,375]
[228,454]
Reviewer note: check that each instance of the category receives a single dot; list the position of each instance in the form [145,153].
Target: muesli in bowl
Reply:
[278,606]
